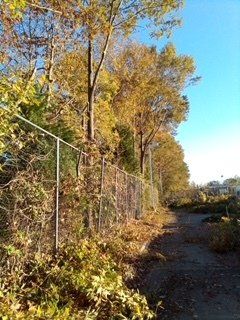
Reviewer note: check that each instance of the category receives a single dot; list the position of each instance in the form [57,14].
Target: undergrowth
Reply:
[83,282]
[86,281]
[225,235]
[200,202]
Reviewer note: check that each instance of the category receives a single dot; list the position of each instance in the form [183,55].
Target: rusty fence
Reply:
[52,193]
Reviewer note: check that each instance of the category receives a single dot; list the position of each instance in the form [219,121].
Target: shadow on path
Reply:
[191,281]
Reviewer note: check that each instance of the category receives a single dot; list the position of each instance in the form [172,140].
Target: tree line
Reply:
[73,68]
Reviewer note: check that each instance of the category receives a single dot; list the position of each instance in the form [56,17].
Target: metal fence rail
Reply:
[50,195]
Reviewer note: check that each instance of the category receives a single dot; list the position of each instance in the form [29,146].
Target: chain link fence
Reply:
[52,193]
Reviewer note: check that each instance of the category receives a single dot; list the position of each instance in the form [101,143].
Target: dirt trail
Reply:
[194,282]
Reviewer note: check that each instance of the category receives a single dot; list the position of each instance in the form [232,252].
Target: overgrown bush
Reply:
[225,235]
[81,283]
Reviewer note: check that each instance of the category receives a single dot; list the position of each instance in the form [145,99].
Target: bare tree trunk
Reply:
[142,155]
[142,162]
[93,76]
[90,110]
[90,125]
[92,84]
[50,69]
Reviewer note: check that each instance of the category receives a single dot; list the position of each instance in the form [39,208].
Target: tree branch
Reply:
[153,133]
[44,8]
[111,21]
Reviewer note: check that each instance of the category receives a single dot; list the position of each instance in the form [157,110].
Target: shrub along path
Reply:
[193,282]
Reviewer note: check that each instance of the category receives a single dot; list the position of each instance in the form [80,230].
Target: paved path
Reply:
[194,282]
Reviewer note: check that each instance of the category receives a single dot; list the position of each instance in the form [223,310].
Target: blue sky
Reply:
[211,136]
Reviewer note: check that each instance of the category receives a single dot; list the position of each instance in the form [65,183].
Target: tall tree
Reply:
[104,19]
[44,26]
[151,96]
[171,170]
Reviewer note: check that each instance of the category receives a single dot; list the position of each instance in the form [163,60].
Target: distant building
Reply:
[223,189]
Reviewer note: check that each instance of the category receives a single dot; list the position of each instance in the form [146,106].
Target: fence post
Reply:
[126,196]
[135,198]
[132,197]
[56,244]
[141,199]
[101,194]
[116,194]
[151,178]
[139,208]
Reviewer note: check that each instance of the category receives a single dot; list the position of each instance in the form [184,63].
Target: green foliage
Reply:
[81,283]
[16,90]
[126,150]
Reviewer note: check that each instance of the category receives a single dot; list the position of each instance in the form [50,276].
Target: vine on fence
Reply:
[48,188]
